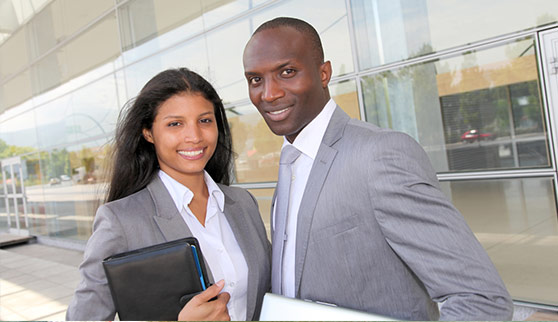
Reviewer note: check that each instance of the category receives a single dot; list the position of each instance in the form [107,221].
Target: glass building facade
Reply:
[474,82]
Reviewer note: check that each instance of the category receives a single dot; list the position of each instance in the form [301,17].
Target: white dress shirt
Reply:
[308,142]
[217,242]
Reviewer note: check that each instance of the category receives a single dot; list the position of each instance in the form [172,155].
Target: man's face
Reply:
[286,81]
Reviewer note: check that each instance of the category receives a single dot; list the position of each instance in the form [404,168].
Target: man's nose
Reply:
[272,91]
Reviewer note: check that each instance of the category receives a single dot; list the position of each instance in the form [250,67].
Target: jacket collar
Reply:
[320,169]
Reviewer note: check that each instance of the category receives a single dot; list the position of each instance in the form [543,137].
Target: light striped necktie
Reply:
[288,155]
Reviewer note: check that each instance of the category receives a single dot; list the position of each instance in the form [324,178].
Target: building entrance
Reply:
[13,205]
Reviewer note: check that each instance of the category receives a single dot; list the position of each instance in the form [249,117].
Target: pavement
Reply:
[37,283]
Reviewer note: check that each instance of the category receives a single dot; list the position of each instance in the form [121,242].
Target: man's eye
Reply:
[288,72]
[254,80]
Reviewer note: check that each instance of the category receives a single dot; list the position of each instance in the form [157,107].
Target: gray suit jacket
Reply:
[375,233]
[150,217]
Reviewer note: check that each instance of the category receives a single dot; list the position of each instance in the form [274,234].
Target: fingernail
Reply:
[220,283]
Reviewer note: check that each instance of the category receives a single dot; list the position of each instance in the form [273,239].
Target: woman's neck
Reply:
[198,204]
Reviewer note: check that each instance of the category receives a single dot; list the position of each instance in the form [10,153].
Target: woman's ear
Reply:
[147,135]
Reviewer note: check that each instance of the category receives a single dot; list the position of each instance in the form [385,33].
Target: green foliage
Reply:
[7,151]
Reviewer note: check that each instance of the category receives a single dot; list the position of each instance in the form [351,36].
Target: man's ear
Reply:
[325,73]
[147,135]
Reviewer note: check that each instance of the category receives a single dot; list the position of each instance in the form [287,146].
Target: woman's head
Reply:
[135,161]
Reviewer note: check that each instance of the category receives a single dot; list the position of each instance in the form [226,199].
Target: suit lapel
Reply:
[318,174]
[166,216]
[239,226]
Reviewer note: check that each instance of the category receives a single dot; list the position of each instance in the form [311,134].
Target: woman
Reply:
[170,177]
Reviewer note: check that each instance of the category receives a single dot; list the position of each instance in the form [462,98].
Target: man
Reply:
[366,225]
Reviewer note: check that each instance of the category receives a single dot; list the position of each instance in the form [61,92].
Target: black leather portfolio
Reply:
[154,283]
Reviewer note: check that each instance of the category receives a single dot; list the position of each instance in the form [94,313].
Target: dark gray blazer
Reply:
[375,233]
[150,217]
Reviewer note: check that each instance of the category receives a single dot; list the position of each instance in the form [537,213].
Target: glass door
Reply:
[13,205]
[549,48]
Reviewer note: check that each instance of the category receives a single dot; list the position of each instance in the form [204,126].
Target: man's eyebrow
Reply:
[280,66]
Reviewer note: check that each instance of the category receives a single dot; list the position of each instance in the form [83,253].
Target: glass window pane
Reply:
[55,125]
[477,111]
[19,134]
[389,31]
[226,72]
[263,197]
[64,202]
[217,11]
[17,90]
[83,114]
[257,148]
[94,109]
[149,25]
[346,96]
[81,55]
[330,21]
[191,55]
[517,223]
[84,52]
[61,19]
[14,54]
[76,14]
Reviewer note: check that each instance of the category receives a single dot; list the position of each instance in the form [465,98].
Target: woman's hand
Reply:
[199,308]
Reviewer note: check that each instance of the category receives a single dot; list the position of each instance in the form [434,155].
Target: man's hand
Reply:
[199,308]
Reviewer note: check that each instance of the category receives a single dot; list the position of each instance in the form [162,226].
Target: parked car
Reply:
[53,181]
[65,177]
[475,135]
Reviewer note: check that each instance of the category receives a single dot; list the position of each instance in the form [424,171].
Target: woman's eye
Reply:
[171,124]
[206,120]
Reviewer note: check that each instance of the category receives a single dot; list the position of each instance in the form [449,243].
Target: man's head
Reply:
[286,73]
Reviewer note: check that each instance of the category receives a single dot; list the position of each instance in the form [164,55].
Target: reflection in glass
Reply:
[17,89]
[390,31]
[144,20]
[60,20]
[94,109]
[79,56]
[55,125]
[217,11]
[3,214]
[486,103]
[517,223]
[257,148]
[18,135]
[225,46]
[14,54]
[191,54]
[64,187]
[264,198]
[346,96]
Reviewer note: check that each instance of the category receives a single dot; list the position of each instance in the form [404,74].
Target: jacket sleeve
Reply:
[92,299]
[431,236]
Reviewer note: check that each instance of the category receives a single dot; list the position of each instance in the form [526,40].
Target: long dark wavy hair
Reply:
[134,161]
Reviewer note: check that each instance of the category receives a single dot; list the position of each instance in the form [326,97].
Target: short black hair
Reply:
[301,26]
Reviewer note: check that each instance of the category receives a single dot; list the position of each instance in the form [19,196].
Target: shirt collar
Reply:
[309,139]
[181,195]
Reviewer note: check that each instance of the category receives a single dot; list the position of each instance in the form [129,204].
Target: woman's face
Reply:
[184,134]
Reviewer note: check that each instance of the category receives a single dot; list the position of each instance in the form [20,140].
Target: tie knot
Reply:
[289,154]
